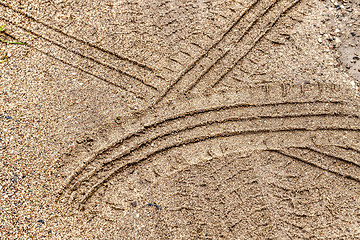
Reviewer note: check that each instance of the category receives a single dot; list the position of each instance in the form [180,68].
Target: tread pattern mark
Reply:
[310,201]
[212,62]
[65,47]
[263,194]
[153,123]
[106,177]
[317,160]
[185,129]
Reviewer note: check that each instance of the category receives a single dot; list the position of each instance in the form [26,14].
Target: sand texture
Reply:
[180,119]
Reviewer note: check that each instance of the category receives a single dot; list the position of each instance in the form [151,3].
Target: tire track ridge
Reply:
[202,139]
[255,43]
[75,38]
[192,85]
[149,139]
[313,149]
[205,54]
[292,91]
[300,159]
[350,148]
[147,142]
[82,55]
[226,120]
[82,70]
[178,116]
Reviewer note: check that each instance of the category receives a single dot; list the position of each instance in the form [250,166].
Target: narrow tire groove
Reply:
[82,55]
[332,156]
[87,72]
[77,39]
[255,43]
[147,142]
[314,165]
[248,29]
[205,54]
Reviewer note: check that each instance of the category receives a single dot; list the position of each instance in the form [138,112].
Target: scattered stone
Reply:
[154,205]
[41,221]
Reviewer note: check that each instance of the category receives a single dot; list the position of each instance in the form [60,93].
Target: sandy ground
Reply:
[180,120]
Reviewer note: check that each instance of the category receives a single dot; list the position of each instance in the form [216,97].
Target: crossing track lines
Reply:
[331,164]
[135,77]
[321,118]
[236,43]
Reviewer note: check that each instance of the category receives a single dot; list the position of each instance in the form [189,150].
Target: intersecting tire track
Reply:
[212,66]
[209,68]
[135,77]
[182,117]
[140,79]
[319,110]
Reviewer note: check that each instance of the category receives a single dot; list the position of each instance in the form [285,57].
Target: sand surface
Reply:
[180,119]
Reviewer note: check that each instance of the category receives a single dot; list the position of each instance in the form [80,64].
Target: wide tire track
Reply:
[211,67]
[132,76]
[160,134]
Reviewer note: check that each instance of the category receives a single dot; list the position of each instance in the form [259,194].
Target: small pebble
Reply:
[41,221]
[154,205]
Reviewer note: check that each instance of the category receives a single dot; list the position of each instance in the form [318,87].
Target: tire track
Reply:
[246,99]
[351,149]
[117,170]
[261,189]
[136,94]
[218,213]
[205,134]
[324,152]
[167,135]
[296,193]
[75,38]
[149,128]
[313,158]
[238,42]
[92,67]
[259,38]
[204,66]
[136,72]
[286,110]
[205,54]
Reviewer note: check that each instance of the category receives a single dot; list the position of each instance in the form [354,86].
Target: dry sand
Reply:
[180,119]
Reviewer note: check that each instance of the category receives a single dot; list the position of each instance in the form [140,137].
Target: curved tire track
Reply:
[261,195]
[162,133]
